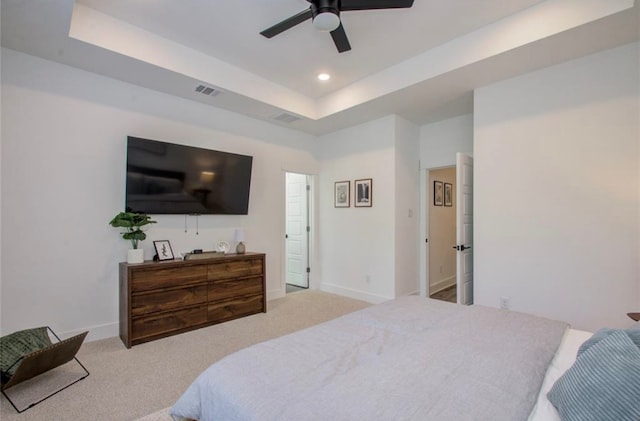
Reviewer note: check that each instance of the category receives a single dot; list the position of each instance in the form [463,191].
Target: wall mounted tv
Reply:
[166,178]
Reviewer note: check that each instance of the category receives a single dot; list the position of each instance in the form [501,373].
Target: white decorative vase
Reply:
[135,256]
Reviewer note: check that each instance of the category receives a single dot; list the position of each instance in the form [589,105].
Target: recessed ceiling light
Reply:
[324,76]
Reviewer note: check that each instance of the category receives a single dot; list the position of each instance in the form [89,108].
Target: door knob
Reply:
[461,248]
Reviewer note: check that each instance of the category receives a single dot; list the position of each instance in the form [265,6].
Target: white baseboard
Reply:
[355,294]
[442,284]
[274,294]
[96,333]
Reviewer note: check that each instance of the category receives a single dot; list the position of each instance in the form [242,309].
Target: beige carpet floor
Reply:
[142,382]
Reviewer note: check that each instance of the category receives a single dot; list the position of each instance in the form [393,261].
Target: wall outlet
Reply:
[504,303]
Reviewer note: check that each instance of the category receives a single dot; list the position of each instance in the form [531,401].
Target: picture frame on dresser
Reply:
[163,250]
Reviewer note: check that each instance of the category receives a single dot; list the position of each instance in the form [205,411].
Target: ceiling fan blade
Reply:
[287,24]
[340,39]
[347,5]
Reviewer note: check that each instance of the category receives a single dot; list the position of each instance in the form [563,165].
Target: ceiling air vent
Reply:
[286,118]
[207,90]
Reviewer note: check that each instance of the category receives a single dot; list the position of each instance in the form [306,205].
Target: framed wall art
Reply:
[364,192]
[342,193]
[448,194]
[438,193]
[163,250]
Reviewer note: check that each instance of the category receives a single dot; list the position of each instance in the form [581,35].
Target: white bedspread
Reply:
[406,359]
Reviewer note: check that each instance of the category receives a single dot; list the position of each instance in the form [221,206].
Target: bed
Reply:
[410,358]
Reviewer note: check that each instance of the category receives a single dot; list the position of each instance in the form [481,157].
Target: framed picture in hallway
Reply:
[448,192]
[364,193]
[341,192]
[438,193]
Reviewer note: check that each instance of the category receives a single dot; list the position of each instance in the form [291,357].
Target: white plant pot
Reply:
[135,256]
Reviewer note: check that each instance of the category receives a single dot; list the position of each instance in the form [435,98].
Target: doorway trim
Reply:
[423,271]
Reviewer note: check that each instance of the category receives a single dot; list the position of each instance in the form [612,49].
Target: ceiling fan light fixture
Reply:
[325,16]
[326,21]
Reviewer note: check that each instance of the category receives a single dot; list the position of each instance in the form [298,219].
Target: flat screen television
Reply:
[166,178]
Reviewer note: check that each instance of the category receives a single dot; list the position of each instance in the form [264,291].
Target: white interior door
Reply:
[297,244]
[464,228]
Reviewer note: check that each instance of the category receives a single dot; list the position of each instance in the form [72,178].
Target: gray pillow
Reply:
[603,383]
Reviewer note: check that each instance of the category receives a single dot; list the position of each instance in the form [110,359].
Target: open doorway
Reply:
[442,277]
[298,231]
[447,220]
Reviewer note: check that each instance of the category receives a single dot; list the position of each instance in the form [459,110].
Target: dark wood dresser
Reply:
[159,299]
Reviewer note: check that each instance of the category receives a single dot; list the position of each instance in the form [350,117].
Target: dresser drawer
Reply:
[234,269]
[143,280]
[232,288]
[164,323]
[168,300]
[220,311]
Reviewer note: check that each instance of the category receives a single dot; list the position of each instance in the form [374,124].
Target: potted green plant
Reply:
[132,223]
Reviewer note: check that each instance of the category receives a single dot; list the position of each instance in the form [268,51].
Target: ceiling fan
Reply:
[325,15]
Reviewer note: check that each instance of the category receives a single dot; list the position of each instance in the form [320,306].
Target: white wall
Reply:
[63,169]
[557,190]
[357,245]
[407,219]
[370,253]
[439,142]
